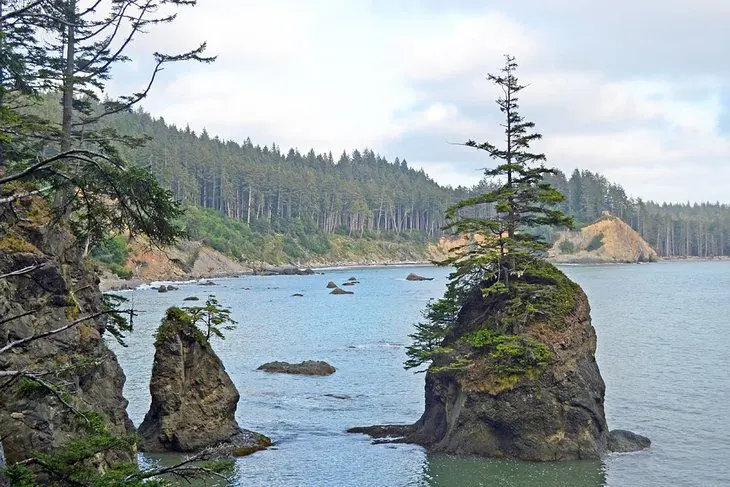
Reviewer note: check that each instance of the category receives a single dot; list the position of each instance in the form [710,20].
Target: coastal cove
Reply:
[662,342]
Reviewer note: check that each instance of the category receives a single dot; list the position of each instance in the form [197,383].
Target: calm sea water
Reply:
[663,349]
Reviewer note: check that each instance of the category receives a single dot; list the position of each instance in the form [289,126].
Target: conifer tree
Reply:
[503,244]
[522,200]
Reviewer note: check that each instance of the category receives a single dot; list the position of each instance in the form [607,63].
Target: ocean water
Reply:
[663,349]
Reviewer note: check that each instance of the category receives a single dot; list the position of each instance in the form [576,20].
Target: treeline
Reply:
[364,194]
[268,189]
[672,229]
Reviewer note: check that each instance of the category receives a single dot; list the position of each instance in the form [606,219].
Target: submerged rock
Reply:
[192,298]
[308,367]
[162,289]
[331,285]
[416,277]
[516,385]
[353,278]
[350,283]
[193,399]
[297,295]
[339,290]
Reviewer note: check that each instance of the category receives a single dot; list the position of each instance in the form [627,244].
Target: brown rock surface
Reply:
[194,400]
[308,367]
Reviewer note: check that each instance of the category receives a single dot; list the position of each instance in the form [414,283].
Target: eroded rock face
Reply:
[194,400]
[64,289]
[478,404]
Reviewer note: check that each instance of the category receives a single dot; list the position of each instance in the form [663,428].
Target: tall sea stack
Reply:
[518,378]
[194,400]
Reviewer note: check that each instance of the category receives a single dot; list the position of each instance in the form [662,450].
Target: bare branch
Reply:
[26,340]
[20,272]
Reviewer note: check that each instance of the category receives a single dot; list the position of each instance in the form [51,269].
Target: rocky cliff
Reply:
[194,400]
[517,379]
[61,288]
[609,240]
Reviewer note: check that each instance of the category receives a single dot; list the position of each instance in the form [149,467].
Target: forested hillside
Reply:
[352,193]
[309,196]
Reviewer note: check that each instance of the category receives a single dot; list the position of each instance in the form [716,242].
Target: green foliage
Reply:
[521,198]
[118,322]
[176,321]
[112,250]
[510,354]
[212,318]
[595,243]
[567,247]
[427,342]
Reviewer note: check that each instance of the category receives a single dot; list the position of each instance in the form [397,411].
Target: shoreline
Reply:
[109,284]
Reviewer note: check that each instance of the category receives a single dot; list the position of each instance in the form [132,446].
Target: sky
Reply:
[638,90]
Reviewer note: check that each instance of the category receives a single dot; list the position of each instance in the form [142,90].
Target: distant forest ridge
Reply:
[363,193]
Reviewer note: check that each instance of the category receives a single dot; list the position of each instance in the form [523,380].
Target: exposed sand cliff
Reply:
[609,240]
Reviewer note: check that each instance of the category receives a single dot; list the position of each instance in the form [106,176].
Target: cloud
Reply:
[634,90]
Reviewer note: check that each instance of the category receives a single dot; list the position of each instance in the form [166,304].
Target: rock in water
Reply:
[331,285]
[193,399]
[622,441]
[515,384]
[339,290]
[416,277]
[308,367]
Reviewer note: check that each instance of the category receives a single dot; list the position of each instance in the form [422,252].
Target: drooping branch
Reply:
[37,336]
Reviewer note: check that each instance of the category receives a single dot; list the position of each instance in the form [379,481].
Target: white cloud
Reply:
[343,75]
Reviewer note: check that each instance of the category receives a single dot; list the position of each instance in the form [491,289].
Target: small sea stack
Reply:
[194,400]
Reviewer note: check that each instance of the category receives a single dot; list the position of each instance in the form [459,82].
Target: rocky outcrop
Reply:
[516,382]
[622,441]
[339,290]
[194,400]
[308,367]
[331,285]
[287,270]
[608,240]
[416,277]
[63,288]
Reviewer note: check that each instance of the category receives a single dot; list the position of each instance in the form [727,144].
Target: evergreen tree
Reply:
[523,201]
[502,245]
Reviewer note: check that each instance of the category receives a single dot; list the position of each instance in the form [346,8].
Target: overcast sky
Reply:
[636,90]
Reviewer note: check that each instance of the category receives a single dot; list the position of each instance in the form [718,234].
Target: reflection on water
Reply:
[452,471]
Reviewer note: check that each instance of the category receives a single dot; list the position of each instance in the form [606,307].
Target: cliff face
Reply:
[194,400]
[608,240]
[62,290]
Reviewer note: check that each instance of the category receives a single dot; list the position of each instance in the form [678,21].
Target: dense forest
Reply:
[268,189]
[364,194]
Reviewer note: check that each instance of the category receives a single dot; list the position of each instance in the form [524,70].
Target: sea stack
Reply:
[193,399]
[517,382]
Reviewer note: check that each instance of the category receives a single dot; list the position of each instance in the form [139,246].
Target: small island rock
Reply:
[192,298]
[308,367]
[193,399]
[416,277]
[331,285]
[339,290]
[622,441]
